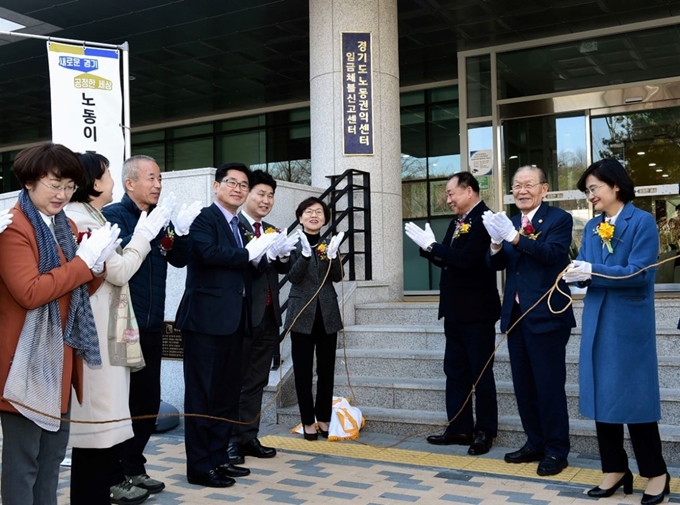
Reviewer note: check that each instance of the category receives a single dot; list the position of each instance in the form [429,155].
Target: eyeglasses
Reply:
[232,183]
[312,212]
[528,187]
[69,190]
[592,189]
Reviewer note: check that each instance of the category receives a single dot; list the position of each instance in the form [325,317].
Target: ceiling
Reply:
[192,58]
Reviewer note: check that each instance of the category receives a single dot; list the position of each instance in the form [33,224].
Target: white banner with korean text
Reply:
[87,103]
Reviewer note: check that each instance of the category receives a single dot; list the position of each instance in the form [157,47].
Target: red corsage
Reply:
[167,242]
[80,236]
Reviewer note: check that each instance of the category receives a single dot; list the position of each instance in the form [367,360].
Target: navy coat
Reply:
[532,267]
[618,372]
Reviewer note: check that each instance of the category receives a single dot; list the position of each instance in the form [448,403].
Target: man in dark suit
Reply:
[533,248]
[265,317]
[213,317]
[470,306]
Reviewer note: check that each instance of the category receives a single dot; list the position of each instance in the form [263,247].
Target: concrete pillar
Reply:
[327,20]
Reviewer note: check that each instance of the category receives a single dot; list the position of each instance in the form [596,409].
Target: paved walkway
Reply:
[364,472]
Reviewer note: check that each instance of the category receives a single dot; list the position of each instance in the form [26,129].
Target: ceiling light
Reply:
[641,153]
[664,175]
[513,157]
[652,164]
[659,169]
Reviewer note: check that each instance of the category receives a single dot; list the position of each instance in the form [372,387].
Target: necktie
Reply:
[525,221]
[268,300]
[237,233]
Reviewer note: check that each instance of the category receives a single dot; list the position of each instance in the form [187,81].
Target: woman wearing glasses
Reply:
[48,328]
[96,472]
[316,327]
[618,371]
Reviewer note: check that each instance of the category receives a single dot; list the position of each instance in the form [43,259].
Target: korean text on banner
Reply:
[87,103]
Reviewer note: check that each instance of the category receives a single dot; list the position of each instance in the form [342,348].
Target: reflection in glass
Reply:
[480,140]
[478,86]
[414,199]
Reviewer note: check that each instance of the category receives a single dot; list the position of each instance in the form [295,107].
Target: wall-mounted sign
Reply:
[357,94]
[172,347]
[481,162]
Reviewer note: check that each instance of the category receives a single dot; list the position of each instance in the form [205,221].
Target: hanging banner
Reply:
[357,94]
[87,103]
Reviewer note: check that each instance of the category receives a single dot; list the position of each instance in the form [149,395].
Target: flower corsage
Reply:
[529,232]
[461,228]
[79,237]
[167,242]
[322,251]
[605,231]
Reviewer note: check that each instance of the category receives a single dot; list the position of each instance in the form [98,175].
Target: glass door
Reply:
[647,143]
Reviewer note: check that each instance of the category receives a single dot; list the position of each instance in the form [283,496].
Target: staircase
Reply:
[394,354]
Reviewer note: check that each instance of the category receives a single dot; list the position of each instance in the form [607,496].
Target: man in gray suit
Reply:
[265,313]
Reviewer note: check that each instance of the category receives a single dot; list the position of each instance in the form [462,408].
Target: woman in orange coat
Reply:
[47,324]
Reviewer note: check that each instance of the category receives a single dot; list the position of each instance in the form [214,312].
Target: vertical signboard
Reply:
[87,102]
[357,94]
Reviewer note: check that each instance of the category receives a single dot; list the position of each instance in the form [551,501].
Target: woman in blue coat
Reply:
[618,375]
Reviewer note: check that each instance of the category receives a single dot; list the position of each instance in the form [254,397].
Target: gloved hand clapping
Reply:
[169,203]
[273,250]
[186,217]
[150,225]
[5,219]
[95,249]
[258,246]
[288,245]
[422,238]
[504,226]
[579,271]
[306,248]
[488,221]
[334,245]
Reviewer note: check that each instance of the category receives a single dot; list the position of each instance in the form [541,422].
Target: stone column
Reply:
[327,20]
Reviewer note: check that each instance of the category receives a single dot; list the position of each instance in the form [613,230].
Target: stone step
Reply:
[409,423]
[428,365]
[425,313]
[431,338]
[429,395]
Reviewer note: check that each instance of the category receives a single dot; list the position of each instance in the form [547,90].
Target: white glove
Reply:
[95,249]
[579,271]
[487,220]
[422,238]
[169,203]
[258,246]
[5,219]
[504,226]
[186,216]
[306,248]
[334,245]
[150,225]
[288,245]
[273,250]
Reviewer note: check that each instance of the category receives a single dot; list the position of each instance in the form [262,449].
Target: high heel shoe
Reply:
[648,499]
[323,433]
[626,481]
[310,436]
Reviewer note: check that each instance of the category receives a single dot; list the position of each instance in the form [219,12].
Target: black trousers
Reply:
[258,349]
[145,398]
[646,446]
[93,472]
[303,347]
[212,380]
[468,347]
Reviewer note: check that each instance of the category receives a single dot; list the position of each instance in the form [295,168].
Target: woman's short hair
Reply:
[612,173]
[95,165]
[34,163]
[312,200]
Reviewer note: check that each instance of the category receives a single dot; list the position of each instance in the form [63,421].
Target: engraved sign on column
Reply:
[357,93]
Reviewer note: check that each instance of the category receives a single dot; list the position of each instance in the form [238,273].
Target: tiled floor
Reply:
[364,473]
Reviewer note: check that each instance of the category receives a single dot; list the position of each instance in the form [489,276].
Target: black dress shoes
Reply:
[648,499]
[229,470]
[235,455]
[481,444]
[626,481]
[256,449]
[210,479]
[450,439]
[551,465]
[523,455]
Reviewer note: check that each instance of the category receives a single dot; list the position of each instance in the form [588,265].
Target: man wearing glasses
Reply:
[533,248]
[214,318]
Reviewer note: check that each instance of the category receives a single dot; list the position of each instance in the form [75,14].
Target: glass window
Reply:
[240,123]
[479,86]
[156,151]
[413,143]
[444,141]
[185,154]
[480,159]
[189,131]
[246,147]
[414,200]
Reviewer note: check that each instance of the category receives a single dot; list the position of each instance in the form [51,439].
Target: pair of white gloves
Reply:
[579,271]
[274,245]
[98,246]
[185,216]
[499,227]
[333,245]
[5,219]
